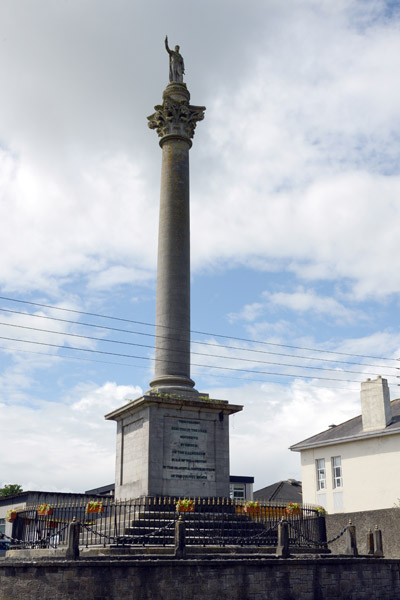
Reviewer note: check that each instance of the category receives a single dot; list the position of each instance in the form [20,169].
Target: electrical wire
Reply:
[141,367]
[111,341]
[103,352]
[152,335]
[195,331]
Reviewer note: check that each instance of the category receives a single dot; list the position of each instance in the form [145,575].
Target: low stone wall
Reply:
[388,520]
[207,579]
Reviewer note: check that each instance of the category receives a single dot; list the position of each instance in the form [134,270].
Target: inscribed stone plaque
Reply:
[189,449]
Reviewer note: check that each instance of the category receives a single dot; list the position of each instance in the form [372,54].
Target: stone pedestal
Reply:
[170,445]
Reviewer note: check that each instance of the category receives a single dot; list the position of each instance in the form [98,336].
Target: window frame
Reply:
[321,474]
[337,479]
[237,491]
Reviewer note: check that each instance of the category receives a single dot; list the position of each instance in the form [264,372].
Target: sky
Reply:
[295,216]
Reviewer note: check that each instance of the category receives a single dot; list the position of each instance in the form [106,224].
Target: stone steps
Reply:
[201,528]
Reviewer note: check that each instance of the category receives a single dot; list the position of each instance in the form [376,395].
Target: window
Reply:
[321,474]
[2,526]
[337,471]
[237,491]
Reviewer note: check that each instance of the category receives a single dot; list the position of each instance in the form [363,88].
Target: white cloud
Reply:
[344,227]
[64,445]
[108,397]
[295,162]
[118,275]
[309,175]
[59,229]
[380,343]
[303,300]
[275,417]
[249,312]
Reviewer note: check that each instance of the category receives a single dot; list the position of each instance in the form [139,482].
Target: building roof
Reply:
[38,497]
[109,489]
[349,431]
[240,479]
[281,491]
[104,489]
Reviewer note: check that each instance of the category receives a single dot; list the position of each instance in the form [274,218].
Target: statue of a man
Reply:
[176,66]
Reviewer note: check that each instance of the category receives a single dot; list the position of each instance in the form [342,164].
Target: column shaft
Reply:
[172,367]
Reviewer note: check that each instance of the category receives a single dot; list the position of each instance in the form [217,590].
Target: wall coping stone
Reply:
[220,561]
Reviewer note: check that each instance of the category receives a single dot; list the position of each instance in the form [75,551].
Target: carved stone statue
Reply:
[176,66]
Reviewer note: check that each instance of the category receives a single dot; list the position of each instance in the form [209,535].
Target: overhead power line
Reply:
[152,335]
[141,367]
[217,375]
[99,315]
[103,352]
[236,358]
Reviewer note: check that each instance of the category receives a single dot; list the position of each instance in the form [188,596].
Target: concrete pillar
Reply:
[175,121]
[322,537]
[370,542]
[378,545]
[180,538]
[351,541]
[72,551]
[282,549]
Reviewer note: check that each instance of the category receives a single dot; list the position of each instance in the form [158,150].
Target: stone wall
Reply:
[388,520]
[202,579]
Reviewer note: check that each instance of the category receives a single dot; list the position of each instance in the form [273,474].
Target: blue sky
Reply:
[295,215]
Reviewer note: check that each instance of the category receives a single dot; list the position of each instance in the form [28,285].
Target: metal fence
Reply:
[151,522]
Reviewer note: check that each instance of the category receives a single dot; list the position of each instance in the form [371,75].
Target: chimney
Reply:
[375,404]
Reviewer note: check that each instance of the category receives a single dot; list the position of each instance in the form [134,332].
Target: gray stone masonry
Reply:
[170,445]
[387,520]
[202,579]
[175,121]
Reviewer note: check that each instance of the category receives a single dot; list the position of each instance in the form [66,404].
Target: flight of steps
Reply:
[152,527]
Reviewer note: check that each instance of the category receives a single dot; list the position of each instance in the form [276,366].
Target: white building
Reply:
[354,466]
[241,488]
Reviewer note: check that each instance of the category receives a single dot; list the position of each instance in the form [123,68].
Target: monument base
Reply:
[172,445]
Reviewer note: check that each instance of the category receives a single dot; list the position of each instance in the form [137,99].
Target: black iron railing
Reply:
[151,522]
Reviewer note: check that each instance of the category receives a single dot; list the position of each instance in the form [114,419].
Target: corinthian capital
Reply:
[176,116]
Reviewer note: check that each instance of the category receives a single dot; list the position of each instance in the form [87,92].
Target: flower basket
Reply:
[45,509]
[45,512]
[293,509]
[251,508]
[94,507]
[97,509]
[186,509]
[11,516]
[185,505]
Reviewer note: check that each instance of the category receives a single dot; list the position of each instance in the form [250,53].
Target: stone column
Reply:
[175,121]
